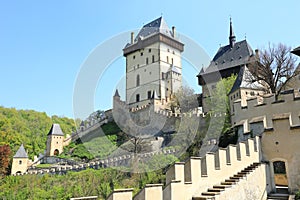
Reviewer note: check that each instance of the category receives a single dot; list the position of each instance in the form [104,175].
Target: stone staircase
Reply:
[282,193]
[278,196]
[216,190]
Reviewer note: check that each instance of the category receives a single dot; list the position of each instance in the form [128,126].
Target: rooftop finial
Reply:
[231,35]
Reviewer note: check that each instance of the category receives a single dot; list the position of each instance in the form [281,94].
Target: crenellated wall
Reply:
[278,125]
[266,110]
[193,178]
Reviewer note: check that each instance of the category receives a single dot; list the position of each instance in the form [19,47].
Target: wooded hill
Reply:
[30,128]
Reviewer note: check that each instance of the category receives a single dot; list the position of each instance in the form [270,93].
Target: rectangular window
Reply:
[152,58]
[167,59]
[149,94]
[163,76]
[172,61]
[142,53]
[147,61]
[137,98]
[149,50]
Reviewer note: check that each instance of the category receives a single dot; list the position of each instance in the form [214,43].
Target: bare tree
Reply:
[274,68]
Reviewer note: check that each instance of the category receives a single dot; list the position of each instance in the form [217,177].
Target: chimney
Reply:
[256,53]
[132,37]
[173,31]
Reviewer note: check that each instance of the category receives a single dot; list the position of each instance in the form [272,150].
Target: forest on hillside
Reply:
[30,128]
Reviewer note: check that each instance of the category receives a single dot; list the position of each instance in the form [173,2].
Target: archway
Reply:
[280,176]
[56,152]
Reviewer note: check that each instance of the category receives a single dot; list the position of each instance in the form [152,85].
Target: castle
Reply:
[266,154]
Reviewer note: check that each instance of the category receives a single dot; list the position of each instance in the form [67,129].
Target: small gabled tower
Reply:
[20,161]
[55,141]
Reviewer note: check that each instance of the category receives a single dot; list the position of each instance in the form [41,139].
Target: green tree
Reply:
[219,104]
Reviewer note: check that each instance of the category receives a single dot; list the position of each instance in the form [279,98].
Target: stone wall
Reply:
[193,178]
[278,125]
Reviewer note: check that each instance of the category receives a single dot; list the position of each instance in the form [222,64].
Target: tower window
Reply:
[133,57]
[167,59]
[137,97]
[142,53]
[147,61]
[152,58]
[20,162]
[149,50]
[138,80]
[149,94]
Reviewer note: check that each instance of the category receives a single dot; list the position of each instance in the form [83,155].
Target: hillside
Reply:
[30,128]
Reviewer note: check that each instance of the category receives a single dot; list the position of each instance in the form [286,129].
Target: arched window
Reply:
[138,80]
[20,162]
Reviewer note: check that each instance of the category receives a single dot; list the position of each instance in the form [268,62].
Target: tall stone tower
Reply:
[153,65]
[20,161]
[55,141]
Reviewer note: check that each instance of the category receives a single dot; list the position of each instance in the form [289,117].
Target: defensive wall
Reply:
[231,173]
[278,124]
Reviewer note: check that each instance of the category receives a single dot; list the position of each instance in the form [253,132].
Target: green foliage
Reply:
[297,195]
[229,137]
[74,184]
[30,128]
[219,104]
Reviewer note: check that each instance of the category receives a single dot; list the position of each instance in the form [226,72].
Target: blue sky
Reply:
[44,44]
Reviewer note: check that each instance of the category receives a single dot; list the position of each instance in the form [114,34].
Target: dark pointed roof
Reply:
[296,51]
[158,25]
[82,123]
[56,130]
[228,57]
[21,153]
[244,80]
[117,93]
[231,35]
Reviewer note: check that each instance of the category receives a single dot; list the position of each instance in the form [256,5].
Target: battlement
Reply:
[192,178]
[266,110]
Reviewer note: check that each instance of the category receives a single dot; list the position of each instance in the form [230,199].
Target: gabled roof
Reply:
[296,51]
[244,80]
[228,57]
[21,153]
[158,25]
[56,130]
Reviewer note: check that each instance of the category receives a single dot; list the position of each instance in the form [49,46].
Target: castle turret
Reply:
[20,161]
[55,141]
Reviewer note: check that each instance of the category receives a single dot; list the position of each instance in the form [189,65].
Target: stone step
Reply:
[228,183]
[221,186]
[232,180]
[215,190]
[239,175]
[210,193]
[203,197]
[278,196]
